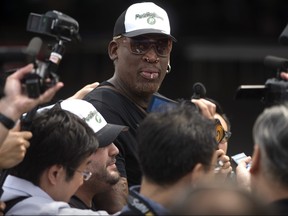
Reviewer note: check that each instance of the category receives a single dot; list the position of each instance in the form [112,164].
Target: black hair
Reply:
[59,138]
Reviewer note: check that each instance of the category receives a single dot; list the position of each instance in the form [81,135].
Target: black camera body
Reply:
[55,24]
[274,91]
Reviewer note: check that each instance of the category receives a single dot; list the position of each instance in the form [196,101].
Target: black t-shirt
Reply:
[118,109]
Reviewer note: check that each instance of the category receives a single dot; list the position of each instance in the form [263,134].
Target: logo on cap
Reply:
[98,118]
[91,114]
[150,17]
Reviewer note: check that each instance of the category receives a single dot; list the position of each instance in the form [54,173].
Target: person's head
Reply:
[102,166]
[141,46]
[59,153]
[175,144]
[224,121]
[226,126]
[270,156]
[218,200]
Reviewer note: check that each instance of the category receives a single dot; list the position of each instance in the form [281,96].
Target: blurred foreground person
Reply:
[268,175]
[176,149]
[218,200]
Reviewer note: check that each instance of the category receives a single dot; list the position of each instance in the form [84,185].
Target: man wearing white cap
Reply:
[46,131]
[140,50]
[102,166]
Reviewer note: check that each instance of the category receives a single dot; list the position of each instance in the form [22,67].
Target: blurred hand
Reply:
[207,108]
[243,174]
[85,90]
[16,102]
[14,147]
[223,167]
[284,75]
[2,207]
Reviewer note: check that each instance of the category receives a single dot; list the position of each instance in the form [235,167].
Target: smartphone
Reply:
[239,157]
[159,102]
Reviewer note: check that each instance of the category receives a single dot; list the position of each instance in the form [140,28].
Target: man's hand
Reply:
[207,108]
[14,147]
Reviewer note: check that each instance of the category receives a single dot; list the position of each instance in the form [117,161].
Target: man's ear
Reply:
[54,173]
[112,50]
[197,174]
[255,159]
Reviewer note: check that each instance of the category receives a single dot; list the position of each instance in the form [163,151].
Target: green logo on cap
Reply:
[151,17]
[91,115]
[151,20]
[98,118]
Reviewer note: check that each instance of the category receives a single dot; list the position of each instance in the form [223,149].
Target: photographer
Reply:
[12,105]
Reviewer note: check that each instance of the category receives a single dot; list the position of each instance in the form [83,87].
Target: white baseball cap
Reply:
[106,133]
[143,18]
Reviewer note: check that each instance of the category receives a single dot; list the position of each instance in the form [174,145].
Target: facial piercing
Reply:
[168,68]
[149,61]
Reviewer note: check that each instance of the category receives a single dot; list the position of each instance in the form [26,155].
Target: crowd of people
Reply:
[100,152]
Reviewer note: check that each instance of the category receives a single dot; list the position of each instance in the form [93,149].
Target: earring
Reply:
[168,68]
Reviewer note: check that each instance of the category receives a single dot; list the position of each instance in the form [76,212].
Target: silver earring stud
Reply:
[168,68]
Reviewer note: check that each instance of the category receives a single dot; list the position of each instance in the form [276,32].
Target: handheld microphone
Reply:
[199,91]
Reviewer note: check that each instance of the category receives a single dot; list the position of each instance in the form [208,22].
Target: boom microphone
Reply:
[283,38]
[281,64]
[199,91]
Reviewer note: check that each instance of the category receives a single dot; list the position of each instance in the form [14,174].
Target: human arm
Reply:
[15,102]
[85,90]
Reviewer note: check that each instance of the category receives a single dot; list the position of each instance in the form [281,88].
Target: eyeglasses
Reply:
[141,45]
[86,174]
[222,136]
[226,137]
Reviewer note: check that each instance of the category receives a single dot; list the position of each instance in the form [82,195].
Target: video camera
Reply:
[53,24]
[275,90]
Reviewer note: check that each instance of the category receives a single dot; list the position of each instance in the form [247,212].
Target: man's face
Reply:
[136,73]
[64,189]
[103,168]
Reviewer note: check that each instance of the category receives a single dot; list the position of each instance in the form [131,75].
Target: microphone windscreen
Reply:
[276,62]
[199,90]
[33,47]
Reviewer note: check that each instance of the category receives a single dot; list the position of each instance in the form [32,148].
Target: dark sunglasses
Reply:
[221,135]
[141,45]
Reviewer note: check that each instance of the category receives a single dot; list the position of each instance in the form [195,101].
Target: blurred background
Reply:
[221,44]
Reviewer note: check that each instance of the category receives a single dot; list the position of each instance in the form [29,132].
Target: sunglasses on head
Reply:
[141,45]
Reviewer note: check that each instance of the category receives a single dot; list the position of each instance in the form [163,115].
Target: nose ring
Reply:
[149,61]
